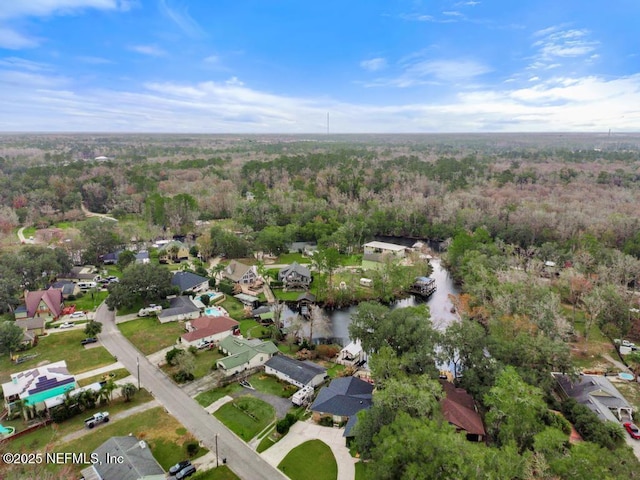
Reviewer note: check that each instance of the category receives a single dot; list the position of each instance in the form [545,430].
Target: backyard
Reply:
[246,416]
[149,335]
[55,347]
[312,459]
[204,361]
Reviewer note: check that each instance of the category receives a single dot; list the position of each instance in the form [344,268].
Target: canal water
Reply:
[332,326]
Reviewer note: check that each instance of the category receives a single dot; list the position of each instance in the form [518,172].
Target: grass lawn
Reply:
[149,335]
[220,473]
[207,398]
[361,471]
[246,325]
[588,355]
[246,416]
[55,347]
[118,374]
[86,302]
[288,349]
[38,439]
[204,361]
[334,370]
[270,384]
[312,459]
[234,307]
[287,258]
[289,296]
[165,436]
[266,442]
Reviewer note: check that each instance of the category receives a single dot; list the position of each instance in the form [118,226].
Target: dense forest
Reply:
[542,232]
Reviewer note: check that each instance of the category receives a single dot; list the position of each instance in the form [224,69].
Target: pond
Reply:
[333,325]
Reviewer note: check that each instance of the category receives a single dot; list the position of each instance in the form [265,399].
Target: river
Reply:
[333,325]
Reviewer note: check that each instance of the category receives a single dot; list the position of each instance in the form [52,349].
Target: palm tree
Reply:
[128,390]
[106,391]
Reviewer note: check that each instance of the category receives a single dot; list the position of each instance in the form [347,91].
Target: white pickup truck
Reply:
[96,418]
[150,310]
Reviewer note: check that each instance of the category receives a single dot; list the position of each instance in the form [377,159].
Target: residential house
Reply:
[244,354]
[459,408]
[240,273]
[173,251]
[342,400]
[180,308]
[68,288]
[208,329]
[597,393]
[35,386]
[378,252]
[85,273]
[295,276]
[135,461]
[45,304]
[110,258]
[295,372]
[142,257]
[188,281]
[352,354]
[248,300]
[31,327]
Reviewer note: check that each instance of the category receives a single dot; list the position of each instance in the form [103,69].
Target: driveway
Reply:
[246,463]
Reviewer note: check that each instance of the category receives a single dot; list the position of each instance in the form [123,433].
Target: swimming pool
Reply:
[6,431]
[625,376]
[215,312]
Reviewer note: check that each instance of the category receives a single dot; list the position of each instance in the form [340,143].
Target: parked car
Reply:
[78,315]
[113,279]
[66,325]
[184,473]
[634,432]
[89,340]
[206,344]
[179,466]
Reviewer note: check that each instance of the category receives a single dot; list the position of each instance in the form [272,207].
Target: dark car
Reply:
[179,466]
[89,340]
[632,429]
[184,473]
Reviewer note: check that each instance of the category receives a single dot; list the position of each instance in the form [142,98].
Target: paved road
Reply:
[241,459]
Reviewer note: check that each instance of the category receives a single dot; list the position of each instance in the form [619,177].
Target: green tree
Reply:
[100,237]
[126,258]
[148,283]
[128,391]
[11,337]
[92,328]
[273,239]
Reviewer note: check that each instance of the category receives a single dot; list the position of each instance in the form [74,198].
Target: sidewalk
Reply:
[303,431]
[99,371]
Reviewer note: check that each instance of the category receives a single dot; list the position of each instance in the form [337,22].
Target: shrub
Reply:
[283,426]
[191,447]
[172,356]
[327,351]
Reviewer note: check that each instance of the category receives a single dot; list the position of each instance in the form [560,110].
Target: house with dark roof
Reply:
[295,276]
[597,393]
[67,287]
[188,281]
[142,257]
[110,258]
[342,400]
[31,327]
[180,308]
[300,374]
[45,304]
[243,354]
[459,408]
[135,461]
[35,386]
[240,273]
[208,329]
[80,274]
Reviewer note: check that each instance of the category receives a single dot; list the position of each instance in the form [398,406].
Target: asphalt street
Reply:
[244,461]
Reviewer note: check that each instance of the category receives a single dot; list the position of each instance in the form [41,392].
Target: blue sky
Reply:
[278,66]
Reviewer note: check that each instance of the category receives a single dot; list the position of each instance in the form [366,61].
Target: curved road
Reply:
[244,461]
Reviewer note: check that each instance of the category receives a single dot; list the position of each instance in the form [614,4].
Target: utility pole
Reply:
[138,365]
[217,463]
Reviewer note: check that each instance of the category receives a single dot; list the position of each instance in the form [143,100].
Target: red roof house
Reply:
[44,303]
[211,329]
[460,411]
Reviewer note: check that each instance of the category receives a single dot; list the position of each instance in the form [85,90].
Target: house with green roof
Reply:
[243,354]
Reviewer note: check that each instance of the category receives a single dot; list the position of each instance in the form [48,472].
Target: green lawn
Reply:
[160,430]
[220,473]
[246,416]
[89,301]
[287,258]
[149,335]
[55,347]
[289,296]
[246,325]
[207,398]
[234,307]
[270,384]
[204,361]
[361,471]
[312,459]
[40,438]
[335,370]
[118,374]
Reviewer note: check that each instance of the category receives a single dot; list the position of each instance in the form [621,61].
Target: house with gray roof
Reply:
[597,393]
[240,273]
[342,400]
[135,461]
[295,276]
[189,281]
[294,371]
[180,308]
[243,354]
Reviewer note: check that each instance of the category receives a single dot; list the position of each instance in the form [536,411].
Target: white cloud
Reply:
[24,64]
[211,59]
[34,102]
[452,14]
[374,64]
[150,50]
[418,71]
[41,8]
[94,60]
[12,40]
[182,19]
[556,43]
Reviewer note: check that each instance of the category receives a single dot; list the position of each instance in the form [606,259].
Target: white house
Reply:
[295,372]
[383,248]
[244,354]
